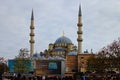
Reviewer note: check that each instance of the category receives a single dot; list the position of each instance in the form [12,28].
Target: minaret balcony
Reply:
[32,27]
[79,40]
[32,41]
[79,24]
[79,32]
[32,34]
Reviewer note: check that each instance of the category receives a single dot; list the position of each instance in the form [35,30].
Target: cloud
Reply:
[100,23]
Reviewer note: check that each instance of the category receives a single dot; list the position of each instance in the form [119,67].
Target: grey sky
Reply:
[100,23]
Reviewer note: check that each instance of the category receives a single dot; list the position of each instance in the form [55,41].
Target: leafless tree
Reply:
[108,58]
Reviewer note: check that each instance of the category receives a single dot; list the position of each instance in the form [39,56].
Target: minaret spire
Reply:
[79,14]
[32,35]
[32,15]
[79,32]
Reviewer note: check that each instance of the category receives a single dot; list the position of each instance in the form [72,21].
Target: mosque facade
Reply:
[62,57]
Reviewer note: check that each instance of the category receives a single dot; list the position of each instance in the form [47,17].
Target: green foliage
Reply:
[21,65]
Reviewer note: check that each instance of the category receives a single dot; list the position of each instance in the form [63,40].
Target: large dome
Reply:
[63,39]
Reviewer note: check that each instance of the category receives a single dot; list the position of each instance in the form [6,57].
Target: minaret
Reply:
[32,35]
[79,32]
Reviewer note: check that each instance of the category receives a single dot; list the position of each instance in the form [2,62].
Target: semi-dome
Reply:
[72,53]
[35,55]
[63,39]
[59,49]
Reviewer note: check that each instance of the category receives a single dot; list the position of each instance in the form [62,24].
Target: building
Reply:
[64,52]
[49,67]
[62,57]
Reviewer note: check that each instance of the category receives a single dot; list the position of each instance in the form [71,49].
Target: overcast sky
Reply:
[100,18]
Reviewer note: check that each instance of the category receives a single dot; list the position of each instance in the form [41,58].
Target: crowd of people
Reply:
[32,77]
[83,77]
[103,77]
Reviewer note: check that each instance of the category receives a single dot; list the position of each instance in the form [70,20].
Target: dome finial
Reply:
[63,34]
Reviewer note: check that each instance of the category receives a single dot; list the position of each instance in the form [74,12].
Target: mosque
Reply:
[62,57]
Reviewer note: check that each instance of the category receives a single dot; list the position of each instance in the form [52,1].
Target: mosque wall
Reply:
[49,67]
[82,61]
[71,63]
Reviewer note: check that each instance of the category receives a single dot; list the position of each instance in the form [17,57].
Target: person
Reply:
[117,76]
[83,77]
[18,77]
[23,78]
[0,77]
[43,77]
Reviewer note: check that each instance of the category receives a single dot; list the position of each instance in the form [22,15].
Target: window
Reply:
[82,57]
[82,62]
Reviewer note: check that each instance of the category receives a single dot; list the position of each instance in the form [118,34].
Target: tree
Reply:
[3,66]
[23,53]
[22,65]
[22,62]
[107,59]
[95,64]
[91,64]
